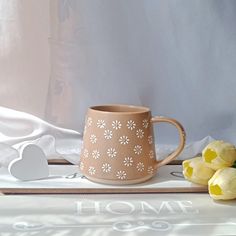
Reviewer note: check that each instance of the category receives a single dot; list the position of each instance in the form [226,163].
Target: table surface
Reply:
[116,214]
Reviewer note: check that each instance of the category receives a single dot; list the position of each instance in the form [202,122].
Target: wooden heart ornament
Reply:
[31,165]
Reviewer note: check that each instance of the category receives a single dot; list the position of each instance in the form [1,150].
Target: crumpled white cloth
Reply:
[19,128]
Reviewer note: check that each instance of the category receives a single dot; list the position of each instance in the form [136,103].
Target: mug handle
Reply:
[182,137]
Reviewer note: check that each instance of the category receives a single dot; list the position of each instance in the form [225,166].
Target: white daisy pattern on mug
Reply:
[145,123]
[121,174]
[86,153]
[131,124]
[140,166]
[150,170]
[89,121]
[101,124]
[106,167]
[92,170]
[81,165]
[116,124]
[95,154]
[124,140]
[108,134]
[140,133]
[93,138]
[138,149]
[150,139]
[111,152]
[128,161]
[151,154]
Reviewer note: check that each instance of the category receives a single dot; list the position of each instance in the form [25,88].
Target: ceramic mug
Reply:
[119,146]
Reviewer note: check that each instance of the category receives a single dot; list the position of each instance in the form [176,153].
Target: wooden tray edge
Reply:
[200,189]
[65,162]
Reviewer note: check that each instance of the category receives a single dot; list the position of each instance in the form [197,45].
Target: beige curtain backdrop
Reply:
[24,55]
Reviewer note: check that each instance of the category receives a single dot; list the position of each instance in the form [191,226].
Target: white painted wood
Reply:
[31,165]
[68,179]
[117,215]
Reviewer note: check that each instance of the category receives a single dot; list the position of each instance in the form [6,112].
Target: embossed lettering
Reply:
[117,206]
[187,207]
[146,208]
[84,207]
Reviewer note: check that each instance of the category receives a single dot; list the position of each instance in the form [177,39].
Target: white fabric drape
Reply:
[19,128]
[176,56]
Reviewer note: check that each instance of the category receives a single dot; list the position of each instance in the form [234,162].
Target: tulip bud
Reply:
[222,185]
[196,171]
[219,154]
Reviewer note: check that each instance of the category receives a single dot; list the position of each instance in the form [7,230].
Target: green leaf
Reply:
[234,165]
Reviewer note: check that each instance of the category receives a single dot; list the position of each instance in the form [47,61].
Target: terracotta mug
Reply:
[119,146]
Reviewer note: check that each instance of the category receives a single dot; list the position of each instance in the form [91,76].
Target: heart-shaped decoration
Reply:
[31,165]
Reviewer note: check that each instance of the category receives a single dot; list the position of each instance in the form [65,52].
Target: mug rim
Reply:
[120,109]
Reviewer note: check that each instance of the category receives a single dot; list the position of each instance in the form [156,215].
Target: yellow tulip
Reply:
[219,154]
[222,185]
[196,171]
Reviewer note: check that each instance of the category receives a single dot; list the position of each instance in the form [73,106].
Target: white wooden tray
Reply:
[68,179]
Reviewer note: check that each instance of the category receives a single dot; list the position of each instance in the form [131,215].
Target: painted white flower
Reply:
[140,133]
[131,124]
[108,134]
[151,154]
[150,139]
[89,121]
[86,153]
[138,149]
[101,124]
[124,140]
[128,161]
[111,152]
[92,170]
[145,123]
[150,170]
[93,138]
[81,165]
[116,124]
[106,167]
[95,154]
[121,174]
[140,167]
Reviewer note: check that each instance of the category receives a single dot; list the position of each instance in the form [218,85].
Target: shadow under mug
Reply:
[119,146]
